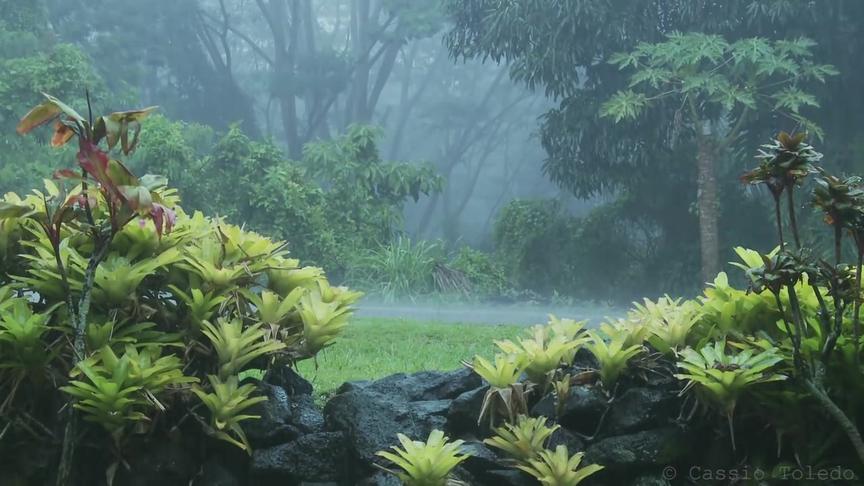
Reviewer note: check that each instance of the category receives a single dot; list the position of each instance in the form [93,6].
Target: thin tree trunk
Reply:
[709,211]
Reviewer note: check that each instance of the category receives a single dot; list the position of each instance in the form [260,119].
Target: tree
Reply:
[33,62]
[557,46]
[717,85]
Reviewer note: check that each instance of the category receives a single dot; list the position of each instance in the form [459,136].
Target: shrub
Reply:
[400,269]
[484,271]
[522,239]
[91,307]
[341,198]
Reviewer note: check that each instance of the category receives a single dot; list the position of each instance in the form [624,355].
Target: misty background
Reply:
[427,151]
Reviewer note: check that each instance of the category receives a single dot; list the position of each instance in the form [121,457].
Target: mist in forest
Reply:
[497,153]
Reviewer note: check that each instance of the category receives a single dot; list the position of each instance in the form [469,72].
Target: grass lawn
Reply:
[373,348]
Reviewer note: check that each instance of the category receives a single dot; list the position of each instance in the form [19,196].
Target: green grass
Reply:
[373,348]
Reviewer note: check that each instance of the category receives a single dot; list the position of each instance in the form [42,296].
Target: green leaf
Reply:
[793,99]
[624,105]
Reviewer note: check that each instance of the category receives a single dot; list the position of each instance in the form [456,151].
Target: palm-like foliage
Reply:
[784,163]
[722,378]
[612,356]
[236,346]
[523,440]
[132,313]
[668,321]
[725,377]
[117,279]
[542,353]
[559,468]
[22,333]
[226,402]
[200,306]
[506,396]
[324,312]
[425,463]
[111,400]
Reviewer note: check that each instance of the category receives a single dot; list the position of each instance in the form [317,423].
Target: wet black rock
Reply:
[320,456]
[372,414]
[274,426]
[508,477]
[287,378]
[381,478]
[425,385]
[482,458]
[658,447]
[169,463]
[642,408]
[213,473]
[564,437]
[284,417]
[655,479]
[581,411]
[465,410]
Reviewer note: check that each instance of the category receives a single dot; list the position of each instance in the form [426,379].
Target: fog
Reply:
[422,148]
[473,242]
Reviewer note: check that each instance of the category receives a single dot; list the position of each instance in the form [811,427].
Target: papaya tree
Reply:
[717,86]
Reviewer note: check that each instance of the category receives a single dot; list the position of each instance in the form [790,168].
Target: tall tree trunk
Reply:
[361,43]
[709,210]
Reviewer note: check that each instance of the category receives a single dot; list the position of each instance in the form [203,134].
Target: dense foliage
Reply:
[648,164]
[134,324]
[340,200]
[784,352]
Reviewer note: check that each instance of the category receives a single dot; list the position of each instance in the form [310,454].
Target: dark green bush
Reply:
[341,199]
[483,270]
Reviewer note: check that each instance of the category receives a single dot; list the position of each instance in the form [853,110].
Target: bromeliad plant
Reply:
[722,378]
[524,440]
[543,352]
[506,395]
[612,354]
[426,463]
[120,305]
[823,340]
[668,322]
[559,468]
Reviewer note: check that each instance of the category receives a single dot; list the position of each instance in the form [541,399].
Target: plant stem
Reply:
[838,415]
[793,222]
[856,315]
[779,217]
[796,349]
[838,242]
[79,319]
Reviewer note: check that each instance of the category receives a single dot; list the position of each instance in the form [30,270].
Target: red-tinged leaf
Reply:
[43,113]
[124,135]
[66,109]
[80,200]
[62,134]
[163,218]
[132,115]
[130,147]
[108,128]
[93,160]
[66,174]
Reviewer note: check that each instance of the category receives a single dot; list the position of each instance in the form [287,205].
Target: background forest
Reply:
[490,148]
